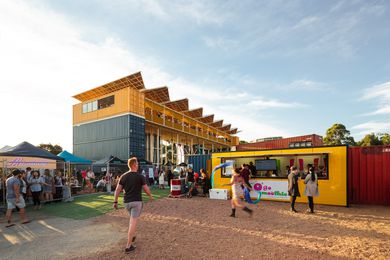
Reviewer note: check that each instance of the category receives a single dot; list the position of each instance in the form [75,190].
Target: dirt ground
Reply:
[200,228]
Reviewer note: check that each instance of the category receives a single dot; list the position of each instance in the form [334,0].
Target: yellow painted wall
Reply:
[127,100]
[332,191]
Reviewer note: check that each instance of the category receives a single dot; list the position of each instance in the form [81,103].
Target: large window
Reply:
[106,102]
[274,166]
[98,104]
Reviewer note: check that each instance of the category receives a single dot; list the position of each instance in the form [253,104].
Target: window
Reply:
[106,102]
[228,171]
[98,104]
[277,166]
[299,144]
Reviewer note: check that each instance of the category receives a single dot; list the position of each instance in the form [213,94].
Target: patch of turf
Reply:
[87,206]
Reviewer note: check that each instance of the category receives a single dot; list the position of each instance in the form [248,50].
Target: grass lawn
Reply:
[93,205]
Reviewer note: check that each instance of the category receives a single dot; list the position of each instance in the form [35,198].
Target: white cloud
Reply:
[221,43]
[305,84]
[381,91]
[260,103]
[371,127]
[45,60]
[381,94]
[200,12]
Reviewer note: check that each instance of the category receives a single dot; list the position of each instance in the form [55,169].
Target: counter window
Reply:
[279,166]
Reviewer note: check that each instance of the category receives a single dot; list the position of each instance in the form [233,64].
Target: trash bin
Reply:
[175,187]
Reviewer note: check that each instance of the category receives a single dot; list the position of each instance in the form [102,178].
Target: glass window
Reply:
[228,171]
[89,105]
[106,102]
[85,107]
[296,144]
[308,144]
[94,105]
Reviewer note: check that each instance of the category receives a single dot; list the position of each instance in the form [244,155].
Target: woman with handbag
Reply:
[311,189]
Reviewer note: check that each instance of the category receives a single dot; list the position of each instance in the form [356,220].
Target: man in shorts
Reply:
[132,183]
[15,198]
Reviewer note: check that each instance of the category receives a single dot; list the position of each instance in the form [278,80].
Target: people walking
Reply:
[311,189]
[15,198]
[132,183]
[293,189]
[236,182]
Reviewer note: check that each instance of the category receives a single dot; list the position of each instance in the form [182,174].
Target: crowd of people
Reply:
[240,180]
[161,178]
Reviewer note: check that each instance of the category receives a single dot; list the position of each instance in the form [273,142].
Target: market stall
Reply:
[270,172]
[26,155]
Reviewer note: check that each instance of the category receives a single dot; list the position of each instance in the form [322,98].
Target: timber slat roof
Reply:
[217,123]
[178,105]
[207,119]
[225,128]
[233,131]
[134,81]
[194,113]
[159,95]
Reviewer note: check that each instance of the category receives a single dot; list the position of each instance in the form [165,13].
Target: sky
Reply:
[270,68]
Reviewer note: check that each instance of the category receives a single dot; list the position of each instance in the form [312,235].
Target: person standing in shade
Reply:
[169,177]
[205,181]
[245,174]
[311,189]
[161,180]
[48,186]
[36,183]
[252,169]
[15,199]
[190,181]
[132,183]
[293,189]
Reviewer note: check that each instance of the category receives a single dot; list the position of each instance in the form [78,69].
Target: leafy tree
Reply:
[370,140]
[54,149]
[338,135]
[243,142]
[385,139]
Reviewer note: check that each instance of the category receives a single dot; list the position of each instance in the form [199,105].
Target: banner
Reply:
[277,190]
[24,162]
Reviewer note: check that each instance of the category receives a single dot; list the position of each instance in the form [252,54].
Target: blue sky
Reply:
[269,68]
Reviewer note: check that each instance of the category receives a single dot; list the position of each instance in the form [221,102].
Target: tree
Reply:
[370,140]
[243,142]
[338,135]
[385,139]
[54,149]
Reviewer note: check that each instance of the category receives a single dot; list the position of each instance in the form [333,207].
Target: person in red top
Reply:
[245,174]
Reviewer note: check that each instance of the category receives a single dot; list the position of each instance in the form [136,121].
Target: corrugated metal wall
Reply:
[280,143]
[369,175]
[120,136]
[199,161]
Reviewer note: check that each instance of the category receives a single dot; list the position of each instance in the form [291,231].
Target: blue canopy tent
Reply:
[68,157]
